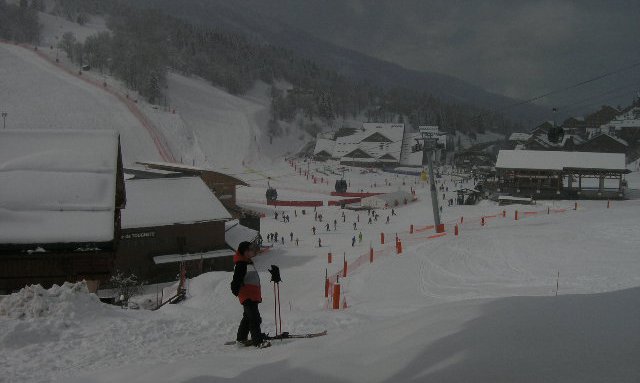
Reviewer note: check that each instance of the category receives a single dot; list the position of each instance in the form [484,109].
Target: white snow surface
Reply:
[167,201]
[558,160]
[477,307]
[57,186]
[38,95]
[480,307]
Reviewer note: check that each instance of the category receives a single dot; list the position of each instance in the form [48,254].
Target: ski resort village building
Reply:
[60,201]
[373,145]
[561,175]
[222,185]
[171,220]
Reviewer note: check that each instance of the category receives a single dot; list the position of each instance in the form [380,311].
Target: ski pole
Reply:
[275,308]
[279,313]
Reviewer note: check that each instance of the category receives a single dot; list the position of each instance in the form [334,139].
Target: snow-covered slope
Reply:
[229,131]
[477,307]
[39,95]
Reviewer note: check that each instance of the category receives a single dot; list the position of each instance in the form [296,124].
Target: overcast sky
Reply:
[516,48]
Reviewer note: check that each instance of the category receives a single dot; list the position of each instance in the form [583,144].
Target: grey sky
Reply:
[517,48]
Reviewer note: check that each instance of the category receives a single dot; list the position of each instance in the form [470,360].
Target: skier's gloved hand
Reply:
[235,289]
[275,274]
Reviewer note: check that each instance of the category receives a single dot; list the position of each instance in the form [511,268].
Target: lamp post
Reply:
[4,120]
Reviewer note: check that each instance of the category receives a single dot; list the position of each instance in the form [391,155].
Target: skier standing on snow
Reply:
[353,241]
[313,229]
[291,236]
[360,237]
[246,286]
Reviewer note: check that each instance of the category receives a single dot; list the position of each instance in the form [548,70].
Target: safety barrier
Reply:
[414,235]
[354,194]
[295,203]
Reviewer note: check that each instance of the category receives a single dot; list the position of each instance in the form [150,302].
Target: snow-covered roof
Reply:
[57,186]
[324,144]
[558,160]
[392,142]
[236,233]
[173,258]
[168,201]
[519,136]
[175,167]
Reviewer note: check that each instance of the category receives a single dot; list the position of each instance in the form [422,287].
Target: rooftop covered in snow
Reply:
[58,186]
[559,160]
[175,167]
[168,201]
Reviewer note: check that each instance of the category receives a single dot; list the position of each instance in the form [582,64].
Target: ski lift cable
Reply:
[561,90]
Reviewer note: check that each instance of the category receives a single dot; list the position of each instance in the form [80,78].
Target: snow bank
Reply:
[67,302]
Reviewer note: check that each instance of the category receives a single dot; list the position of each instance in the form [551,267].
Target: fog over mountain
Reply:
[515,48]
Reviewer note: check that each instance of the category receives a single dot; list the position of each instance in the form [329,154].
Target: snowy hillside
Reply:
[38,95]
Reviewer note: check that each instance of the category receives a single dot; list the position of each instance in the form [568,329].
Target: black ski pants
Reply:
[250,323]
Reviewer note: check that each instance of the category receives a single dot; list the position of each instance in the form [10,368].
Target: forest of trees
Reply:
[142,45]
[19,22]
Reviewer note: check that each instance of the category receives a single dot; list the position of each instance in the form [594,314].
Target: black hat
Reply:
[243,246]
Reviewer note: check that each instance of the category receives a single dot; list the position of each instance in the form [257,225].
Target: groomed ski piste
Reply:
[551,297]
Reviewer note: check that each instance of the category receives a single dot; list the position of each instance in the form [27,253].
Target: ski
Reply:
[286,335]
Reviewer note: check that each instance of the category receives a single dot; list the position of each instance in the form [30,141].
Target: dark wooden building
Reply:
[174,218]
[605,143]
[61,195]
[561,175]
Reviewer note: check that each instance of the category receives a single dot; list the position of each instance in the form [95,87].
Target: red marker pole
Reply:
[329,258]
[382,238]
[456,230]
[336,296]
[516,215]
[344,267]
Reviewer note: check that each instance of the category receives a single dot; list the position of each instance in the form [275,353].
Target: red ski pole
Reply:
[279,313]
[275,308]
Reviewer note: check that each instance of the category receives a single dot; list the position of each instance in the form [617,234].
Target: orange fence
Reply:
[414,235]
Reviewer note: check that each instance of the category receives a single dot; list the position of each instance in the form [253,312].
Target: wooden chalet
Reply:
[168,220]
[561,175]
[60,201]
[224,187]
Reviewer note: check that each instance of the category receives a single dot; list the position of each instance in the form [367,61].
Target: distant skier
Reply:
[327,226]
[313,229]
[319,242]
[282,238]
[387,219]
[393,212]
[353,241]
[297,242]
[355,226]
[291,236]
[360,237]
[246,286]
[276,215]
[335,225]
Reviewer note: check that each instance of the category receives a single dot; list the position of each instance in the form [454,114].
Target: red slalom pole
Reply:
[279,313]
